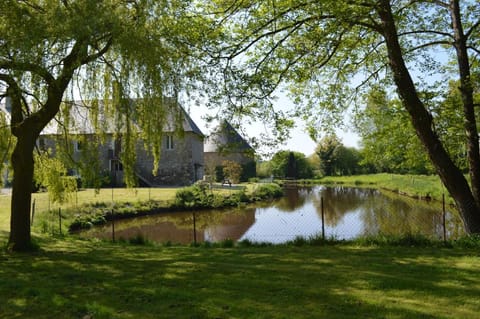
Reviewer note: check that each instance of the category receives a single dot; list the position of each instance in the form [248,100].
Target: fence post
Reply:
[444,219]
[323,218]
[113,216]
[33,211]
[113,225]
[60,219]
[194,229]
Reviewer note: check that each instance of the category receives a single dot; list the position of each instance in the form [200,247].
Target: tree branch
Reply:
[27,67]
[470,31]
[445,34]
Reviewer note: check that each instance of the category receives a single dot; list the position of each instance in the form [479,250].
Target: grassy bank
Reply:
[419,186]
[87,279]
[93,207]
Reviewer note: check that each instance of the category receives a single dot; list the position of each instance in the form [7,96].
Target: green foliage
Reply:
[6,145]
[299,166]
[227,243]
[264,169]
[232,171]
[249,170]
[105,52]
[470,242]
[336,159]
[266,191]
[52,174]
[329,53]
[195,196]
[389,140]
[139,239]
[325,151]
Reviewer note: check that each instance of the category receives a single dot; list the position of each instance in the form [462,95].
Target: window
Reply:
[77,145]
[169,142]
[115,166]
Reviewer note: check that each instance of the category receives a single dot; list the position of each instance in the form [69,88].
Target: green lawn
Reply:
[86,279]
[71,278]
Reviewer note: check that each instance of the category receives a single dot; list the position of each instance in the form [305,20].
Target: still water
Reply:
[347,213]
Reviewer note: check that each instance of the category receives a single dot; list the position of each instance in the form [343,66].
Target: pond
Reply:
[348,213]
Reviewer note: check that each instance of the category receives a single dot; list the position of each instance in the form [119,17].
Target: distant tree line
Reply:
[379,154]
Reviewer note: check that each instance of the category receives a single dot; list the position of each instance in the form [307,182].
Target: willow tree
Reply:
[52,52]
[328,52]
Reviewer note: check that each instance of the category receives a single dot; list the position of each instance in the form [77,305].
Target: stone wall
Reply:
[182,165]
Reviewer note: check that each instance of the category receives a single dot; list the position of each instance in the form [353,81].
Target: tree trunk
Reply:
[22,162]
[466,91]
[422,121]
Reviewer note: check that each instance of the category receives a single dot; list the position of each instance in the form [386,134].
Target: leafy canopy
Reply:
[102,53]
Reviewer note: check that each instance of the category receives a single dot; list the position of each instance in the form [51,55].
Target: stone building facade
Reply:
[225,143]
[181,159]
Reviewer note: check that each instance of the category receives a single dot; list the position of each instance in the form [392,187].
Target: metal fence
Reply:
[304,212]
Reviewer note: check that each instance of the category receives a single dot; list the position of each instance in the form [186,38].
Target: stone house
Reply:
[181,159]
[225,143]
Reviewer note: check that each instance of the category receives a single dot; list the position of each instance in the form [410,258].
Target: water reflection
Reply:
[348,213]
[177,227]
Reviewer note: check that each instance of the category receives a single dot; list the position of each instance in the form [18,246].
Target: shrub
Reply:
[139,239]
[194,196]
[227,243]
[266,191]
[469,241]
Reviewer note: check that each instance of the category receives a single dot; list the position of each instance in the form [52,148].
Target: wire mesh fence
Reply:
[307,212]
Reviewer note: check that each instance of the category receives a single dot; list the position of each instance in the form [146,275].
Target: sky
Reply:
[299,140]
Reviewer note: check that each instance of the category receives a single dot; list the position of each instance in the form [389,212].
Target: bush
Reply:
[266,191]
[469,241]
[194,196]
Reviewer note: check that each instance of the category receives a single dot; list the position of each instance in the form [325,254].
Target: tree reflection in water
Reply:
[349,213]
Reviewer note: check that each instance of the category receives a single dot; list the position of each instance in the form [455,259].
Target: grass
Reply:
[87,279]
[411,185]
[72,278]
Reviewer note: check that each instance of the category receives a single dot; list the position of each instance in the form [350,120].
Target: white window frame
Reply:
[169,145]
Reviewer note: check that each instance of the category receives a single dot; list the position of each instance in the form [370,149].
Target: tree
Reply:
[328,52]
[292,170]
[232,171]
[326,153]
[347,160]
[53,51]
[336,159]
[290,164]
[388,138]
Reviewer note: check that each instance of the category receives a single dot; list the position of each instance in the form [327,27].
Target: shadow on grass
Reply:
[74,279]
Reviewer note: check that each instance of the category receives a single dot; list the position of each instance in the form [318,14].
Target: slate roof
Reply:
[226,138]
[82,123]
